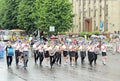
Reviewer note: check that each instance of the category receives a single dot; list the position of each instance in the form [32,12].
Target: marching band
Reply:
[53,52]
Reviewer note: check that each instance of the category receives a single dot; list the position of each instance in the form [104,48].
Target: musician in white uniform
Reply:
[35,48]
[52,52]
[72,50]
[26,48]
[82,49]
[46,53]
[41,54]
[17,52]
[65,52]
[58,53]
[104,55]
[91,49]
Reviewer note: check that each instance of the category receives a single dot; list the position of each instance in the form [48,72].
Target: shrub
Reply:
[82,34]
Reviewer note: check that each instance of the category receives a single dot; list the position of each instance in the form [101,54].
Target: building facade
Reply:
[90,13]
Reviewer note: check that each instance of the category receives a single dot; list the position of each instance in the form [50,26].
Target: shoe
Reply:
[72,65]
[65,63]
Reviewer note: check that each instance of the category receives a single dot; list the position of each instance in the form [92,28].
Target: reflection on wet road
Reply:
[110,72]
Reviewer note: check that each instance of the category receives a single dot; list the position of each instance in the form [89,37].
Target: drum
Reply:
[10,51]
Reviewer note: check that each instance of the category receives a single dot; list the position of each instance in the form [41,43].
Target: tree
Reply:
[25,16]
[8,13]
[2,12]
[57,13]
[31,15]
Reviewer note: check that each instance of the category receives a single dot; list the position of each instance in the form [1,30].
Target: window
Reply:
[88,1]
[89,11]
[84,3]
[106,10]
[100,11]
[95,13]
[94,1]
[95,25]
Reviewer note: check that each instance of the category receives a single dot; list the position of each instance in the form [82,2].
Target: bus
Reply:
[17,34]
[4,35]
[12,35]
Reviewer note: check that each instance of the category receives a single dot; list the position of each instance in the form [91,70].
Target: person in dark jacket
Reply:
[9,53]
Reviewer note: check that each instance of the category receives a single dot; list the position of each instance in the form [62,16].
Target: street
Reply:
[99,72]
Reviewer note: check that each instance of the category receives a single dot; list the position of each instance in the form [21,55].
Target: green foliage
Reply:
[82,34]
[9,14]
[55,13]
[31,15]
[96,33]
[88,33]
[25,19]
[2,12]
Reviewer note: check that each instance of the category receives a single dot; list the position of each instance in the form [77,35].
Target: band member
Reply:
[26,48]
[17,52]
[52,52]
[91,54]
[58,53]
[65,52]
[72,53]
[76,53]
[104,55]
[9,53]
[82,49]
[46,53]
[41,56]
[118,48]
[96,52]
[35,48]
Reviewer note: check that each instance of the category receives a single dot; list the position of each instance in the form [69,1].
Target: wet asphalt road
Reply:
[109,72]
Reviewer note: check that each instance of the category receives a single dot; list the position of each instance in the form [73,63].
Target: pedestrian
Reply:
[46,53]
[96,52]
[52,55]
[9,53]
[26,48]
[41,53]
[72,54]
[76,53]
[65,50]
[35,49]
[91,53]
[82,52]
[17,52]
[58,53]
[104,54]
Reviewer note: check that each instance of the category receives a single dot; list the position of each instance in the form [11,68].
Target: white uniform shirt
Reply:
[64,47]
[80,48]
[92,48]
[45,47]
[40,48]
[26,47]
[17,46]
[57,48]
[104,48]
[35,47]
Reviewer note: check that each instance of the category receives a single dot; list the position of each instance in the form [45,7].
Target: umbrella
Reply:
[17,30]
[102,37]
[94,36]
[54,37]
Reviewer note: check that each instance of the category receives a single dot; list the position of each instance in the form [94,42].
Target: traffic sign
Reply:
[51,28]
[101,25]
